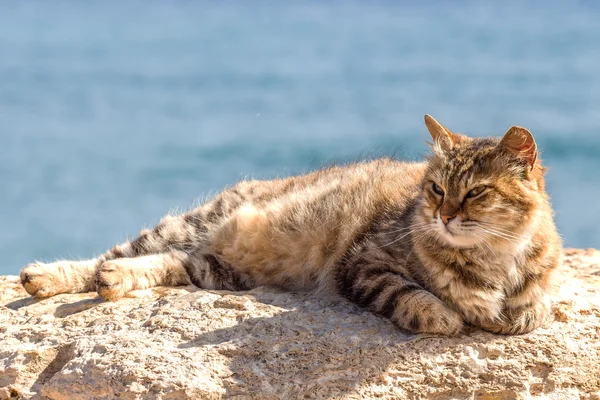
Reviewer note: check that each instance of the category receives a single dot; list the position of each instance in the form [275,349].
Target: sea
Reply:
[114,113]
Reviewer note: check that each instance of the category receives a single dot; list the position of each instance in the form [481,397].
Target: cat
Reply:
[465,237]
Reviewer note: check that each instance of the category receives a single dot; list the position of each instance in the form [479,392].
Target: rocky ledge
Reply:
[172,343]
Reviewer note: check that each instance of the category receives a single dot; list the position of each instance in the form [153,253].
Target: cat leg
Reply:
[44,280]
[520,320]
[210,272]
[182,232]
[115,278]
[389,293]
[172,233]
[523,312]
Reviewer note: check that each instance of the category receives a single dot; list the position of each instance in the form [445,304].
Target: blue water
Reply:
[113,113]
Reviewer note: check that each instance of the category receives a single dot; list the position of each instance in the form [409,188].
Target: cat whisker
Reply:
[417,229]
[416,241]
[496,227]
[513,240]
[420,225]
[487,245]
[493,229]
[504,234]
[473,229]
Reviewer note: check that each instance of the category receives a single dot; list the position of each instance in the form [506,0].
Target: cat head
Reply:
[480,191]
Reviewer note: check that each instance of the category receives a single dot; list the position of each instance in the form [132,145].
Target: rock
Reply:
[172,343]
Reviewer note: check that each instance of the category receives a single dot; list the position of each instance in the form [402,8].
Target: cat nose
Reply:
[447,218]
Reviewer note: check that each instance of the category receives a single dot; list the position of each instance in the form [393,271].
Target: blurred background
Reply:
[114,113]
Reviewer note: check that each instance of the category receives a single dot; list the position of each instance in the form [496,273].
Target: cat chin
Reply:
[458,241]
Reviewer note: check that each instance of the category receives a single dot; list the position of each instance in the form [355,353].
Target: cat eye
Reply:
[475,192]
[437,189]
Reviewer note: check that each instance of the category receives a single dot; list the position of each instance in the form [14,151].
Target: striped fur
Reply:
[465,237]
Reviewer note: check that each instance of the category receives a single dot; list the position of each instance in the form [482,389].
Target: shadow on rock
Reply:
[77,307]
[316,350]
[27,301]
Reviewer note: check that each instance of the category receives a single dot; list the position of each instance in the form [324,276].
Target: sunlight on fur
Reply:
[465,237]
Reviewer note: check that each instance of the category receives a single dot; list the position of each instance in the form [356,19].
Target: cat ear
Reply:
[440,134]
[521,143]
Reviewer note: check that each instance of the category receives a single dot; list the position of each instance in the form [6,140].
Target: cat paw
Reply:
[524,321]
[430,315]
[443,321]
[37,281]
[111,281]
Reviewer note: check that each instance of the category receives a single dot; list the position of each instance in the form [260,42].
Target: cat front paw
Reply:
[442,320]
[520,321]
[38,281]
[111,281]
[427,314]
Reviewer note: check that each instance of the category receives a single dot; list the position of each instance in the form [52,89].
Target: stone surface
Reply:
[172,343]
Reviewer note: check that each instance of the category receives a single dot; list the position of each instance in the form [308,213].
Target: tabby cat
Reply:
[465,237]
